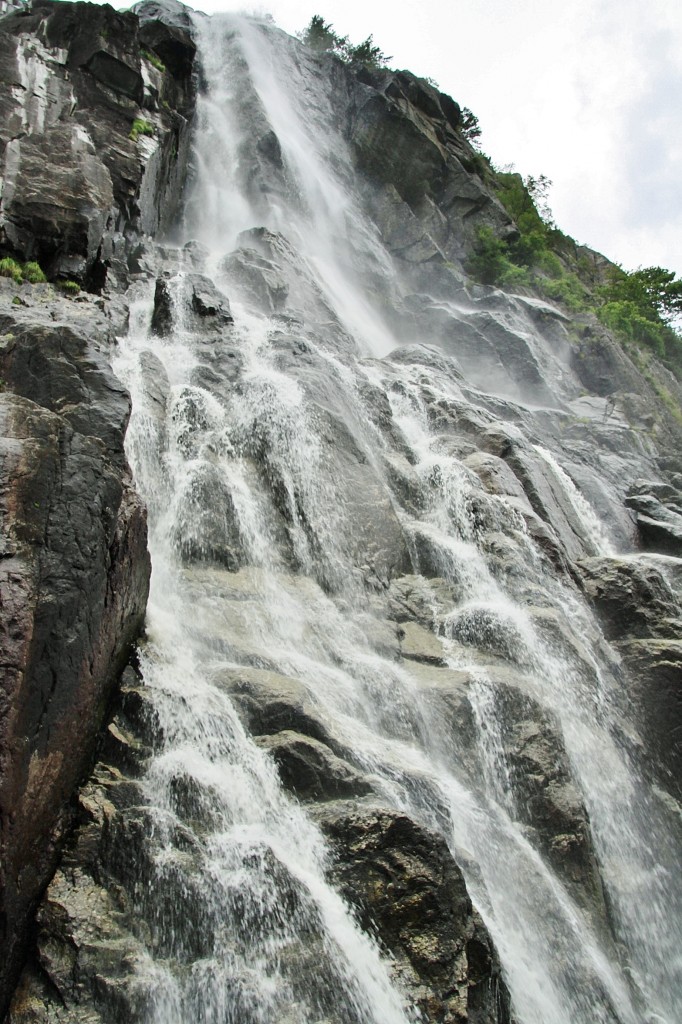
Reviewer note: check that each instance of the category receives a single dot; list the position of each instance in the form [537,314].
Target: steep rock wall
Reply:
[77,190]
[95,115]
[425,196]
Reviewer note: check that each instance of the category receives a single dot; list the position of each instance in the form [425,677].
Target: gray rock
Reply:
[167,29]
[660,528]
[419,644]
[408,891]
[77,190]
[270,703]
[398,144]
[74,583]
[191,303]
[310,769]
[641,612]
[258,279]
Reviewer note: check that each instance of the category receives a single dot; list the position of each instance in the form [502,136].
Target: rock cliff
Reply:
[397,575]
[77,193]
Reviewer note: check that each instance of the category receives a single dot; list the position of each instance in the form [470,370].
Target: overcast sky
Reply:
[587,92]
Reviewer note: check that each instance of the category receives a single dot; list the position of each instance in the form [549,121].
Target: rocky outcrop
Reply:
[407,890]
[658,510]
[639,601]
[429,194]
[95,134]
[74,581]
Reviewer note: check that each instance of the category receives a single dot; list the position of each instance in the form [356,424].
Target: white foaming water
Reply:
[315,207]
[595,532]
[244,925]
[250,862]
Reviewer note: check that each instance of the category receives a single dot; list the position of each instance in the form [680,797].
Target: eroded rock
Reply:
[406,889]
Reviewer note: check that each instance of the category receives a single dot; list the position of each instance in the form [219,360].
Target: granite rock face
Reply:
[430,198]
[407,889]
[426,526]
[95,134]
[78,186]
[640,606]
[75,575]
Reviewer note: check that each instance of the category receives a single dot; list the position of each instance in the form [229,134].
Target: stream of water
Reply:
[246,926]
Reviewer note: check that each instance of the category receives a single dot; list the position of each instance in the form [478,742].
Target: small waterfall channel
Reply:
[298,492]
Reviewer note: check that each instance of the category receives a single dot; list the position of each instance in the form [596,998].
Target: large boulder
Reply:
[408,891]
[659,521]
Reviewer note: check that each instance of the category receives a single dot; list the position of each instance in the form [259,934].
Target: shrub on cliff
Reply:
[33,273]
[319,35]
[140,126]
[490,262]
[10,268]
[643,307]
[30,272]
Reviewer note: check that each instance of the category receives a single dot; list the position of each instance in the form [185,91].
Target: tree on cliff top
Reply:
[319,35]
[654,290]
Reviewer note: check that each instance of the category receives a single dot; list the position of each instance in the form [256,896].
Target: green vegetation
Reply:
[33,273]
[641,308]
[140,126]
[491,262]
[19,273]
[69,287]
[321,37]
[154,60]
[469,126]
[10,268]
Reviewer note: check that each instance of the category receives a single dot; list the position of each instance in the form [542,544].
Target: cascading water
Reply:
[262,578]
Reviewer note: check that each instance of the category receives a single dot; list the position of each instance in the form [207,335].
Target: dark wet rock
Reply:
[78,183]
[543,489]
[60,368]
[310,770]
[75,579]
[660,527]
[633,597]
[162,314]
[539,779]
[208,528]
[196,306]
[408,891]
[66,198]
[639,601]
[208,303]
[270,703]
[654,669]
[167,29]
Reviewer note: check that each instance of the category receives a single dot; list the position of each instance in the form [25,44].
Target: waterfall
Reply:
[294,475]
